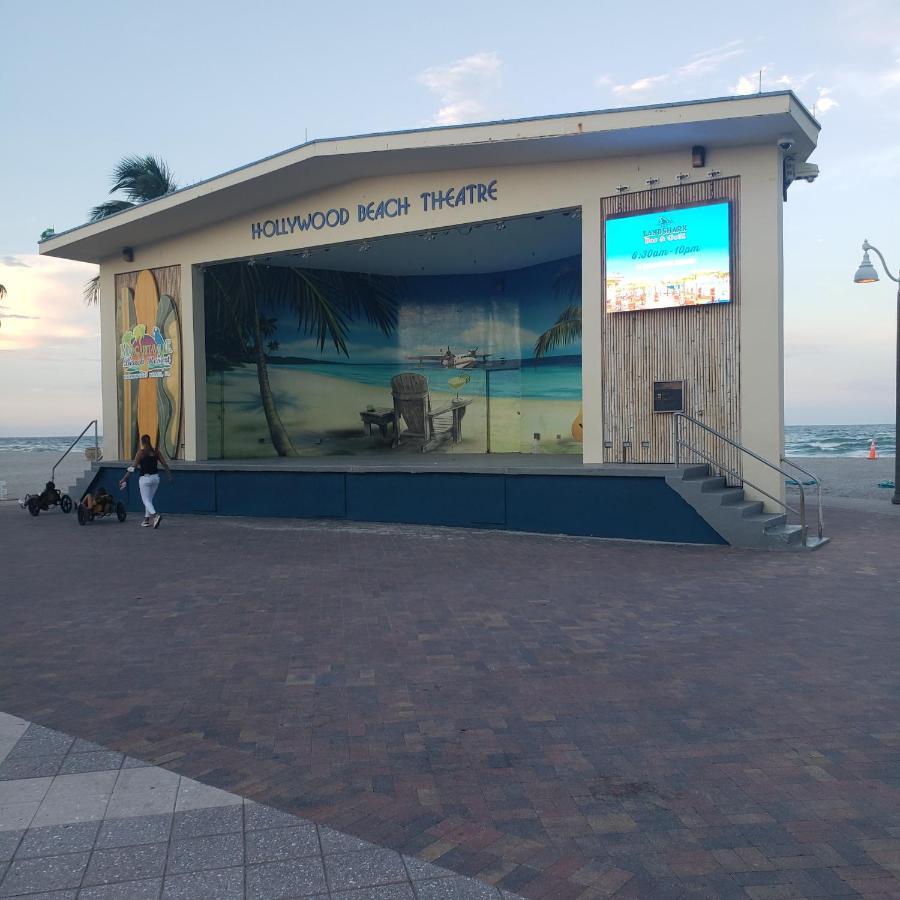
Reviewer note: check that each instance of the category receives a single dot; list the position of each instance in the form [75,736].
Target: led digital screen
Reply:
[675,257]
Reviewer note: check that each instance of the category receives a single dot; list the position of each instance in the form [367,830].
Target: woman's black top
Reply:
[148,463]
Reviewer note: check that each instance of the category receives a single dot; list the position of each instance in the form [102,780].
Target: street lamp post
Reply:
[867,274]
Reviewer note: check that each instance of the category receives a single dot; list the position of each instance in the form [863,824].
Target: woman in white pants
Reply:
[147,461]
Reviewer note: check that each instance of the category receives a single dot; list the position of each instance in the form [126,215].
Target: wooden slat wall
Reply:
[699,345]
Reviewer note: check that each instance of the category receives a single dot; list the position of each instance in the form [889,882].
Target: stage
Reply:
[516,492]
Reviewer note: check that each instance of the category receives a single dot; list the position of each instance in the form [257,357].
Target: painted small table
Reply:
[382,417]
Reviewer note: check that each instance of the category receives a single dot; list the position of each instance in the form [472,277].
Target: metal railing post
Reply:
[80,436]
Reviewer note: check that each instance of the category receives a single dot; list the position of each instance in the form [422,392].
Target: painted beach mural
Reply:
[304,362]
[148,326]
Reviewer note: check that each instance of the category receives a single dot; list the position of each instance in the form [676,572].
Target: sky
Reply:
[213,85]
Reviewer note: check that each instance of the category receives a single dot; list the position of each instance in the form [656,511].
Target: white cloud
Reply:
[764,78]
[49,347]
[824,103]
[702,63]
[709,60]
[464,87]
[639,86]
[889,79]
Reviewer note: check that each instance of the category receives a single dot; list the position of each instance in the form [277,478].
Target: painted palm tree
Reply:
[567,328]
[238,296]
[139,178]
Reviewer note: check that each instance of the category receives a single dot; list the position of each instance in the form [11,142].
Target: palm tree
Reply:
[2,291]
[140,178]
[324,304]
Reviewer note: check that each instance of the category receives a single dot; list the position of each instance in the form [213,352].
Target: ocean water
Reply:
[550,379]
[838,440]
[56,444]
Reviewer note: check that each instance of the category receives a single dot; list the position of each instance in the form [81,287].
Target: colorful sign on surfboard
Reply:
[149,359]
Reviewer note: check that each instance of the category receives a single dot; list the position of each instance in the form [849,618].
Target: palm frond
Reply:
[2,291]
[565,330]
[107,209]
[143,178]
[324,304]
[91,292]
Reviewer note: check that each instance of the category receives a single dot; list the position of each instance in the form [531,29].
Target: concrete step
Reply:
[769,520]
[741,522]
[82,484]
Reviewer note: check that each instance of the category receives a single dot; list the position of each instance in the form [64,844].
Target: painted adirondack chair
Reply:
[412,404]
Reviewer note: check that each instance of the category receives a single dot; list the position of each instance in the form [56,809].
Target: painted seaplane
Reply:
[450,360]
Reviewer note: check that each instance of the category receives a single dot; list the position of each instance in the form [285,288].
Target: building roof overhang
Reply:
[325,163]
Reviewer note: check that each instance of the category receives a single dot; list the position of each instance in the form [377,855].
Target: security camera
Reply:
[807,171]
[786,143]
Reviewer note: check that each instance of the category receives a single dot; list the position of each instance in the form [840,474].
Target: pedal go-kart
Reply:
[50,496]
[100,506]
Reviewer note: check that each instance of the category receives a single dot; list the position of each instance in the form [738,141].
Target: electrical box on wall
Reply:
[668,396]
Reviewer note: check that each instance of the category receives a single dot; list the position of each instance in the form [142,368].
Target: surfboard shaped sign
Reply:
[150,361]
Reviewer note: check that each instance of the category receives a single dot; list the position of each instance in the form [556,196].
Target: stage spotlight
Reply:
[713,173]
[682,177]
[576,213]
[429,235]
[651,181]
[500,226]
[365,247]
[622,188]
[305,254]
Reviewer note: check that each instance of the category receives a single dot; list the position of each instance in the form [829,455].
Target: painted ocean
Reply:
[548,379]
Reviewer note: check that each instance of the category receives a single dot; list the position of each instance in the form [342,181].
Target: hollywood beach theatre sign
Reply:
[451,197]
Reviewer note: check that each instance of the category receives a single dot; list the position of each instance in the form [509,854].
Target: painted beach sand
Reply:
[321,414]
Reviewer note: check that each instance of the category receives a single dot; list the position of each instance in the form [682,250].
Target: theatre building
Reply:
[567,324]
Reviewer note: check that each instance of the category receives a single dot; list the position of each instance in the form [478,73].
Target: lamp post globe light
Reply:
[867,274]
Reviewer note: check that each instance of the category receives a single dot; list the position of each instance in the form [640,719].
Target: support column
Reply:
[193,360]
[591,323]
[762,323]
[109,364]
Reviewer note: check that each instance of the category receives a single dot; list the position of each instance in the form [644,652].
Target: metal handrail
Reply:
[742,449]
[80,436]
[820,521]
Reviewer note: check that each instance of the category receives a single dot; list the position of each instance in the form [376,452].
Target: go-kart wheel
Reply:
[34,505]
[121,513]
[82,515]
[65,503]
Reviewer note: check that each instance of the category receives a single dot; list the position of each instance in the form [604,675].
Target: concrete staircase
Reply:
[741,522]
[80,488]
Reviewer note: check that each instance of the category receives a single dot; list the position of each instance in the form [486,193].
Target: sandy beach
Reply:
[26,472]
[852,482]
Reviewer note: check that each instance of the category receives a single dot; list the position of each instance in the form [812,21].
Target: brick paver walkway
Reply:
[80,821]
[560,717]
